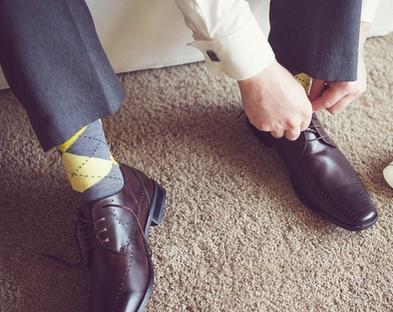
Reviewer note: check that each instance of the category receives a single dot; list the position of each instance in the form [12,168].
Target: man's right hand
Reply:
[275,102]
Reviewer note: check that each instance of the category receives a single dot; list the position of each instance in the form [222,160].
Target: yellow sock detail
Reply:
[114,161]
[305,80]
[80,168]
[67,144]
[84,171]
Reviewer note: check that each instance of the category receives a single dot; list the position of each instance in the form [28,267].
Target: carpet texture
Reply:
[235,237]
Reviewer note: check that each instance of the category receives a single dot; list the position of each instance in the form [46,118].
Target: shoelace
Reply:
[79,225]
[314,130]
[91,238]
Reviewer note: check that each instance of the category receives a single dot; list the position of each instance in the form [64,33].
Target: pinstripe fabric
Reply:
[55,65]
[317,37]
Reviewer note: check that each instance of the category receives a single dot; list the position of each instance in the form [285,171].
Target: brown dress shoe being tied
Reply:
[116,230]
[323,178]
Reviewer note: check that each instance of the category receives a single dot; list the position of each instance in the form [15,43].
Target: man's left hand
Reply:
[336,95]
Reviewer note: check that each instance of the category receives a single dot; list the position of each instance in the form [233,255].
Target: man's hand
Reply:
[275,102]
[336,95]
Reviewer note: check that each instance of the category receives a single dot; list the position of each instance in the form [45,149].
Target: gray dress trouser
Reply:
[56,67]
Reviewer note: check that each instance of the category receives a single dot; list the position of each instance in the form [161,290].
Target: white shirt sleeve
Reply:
[228,35]
[369,8]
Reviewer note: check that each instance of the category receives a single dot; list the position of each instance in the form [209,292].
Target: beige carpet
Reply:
[235,238]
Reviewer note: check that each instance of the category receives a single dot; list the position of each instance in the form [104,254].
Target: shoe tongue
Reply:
[319,131]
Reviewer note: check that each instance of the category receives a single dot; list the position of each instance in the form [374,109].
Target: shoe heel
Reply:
[159,206]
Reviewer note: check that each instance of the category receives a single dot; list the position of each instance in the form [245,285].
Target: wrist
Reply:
[258,77]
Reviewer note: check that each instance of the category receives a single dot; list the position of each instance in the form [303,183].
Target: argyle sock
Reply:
[305,80]
[90,167]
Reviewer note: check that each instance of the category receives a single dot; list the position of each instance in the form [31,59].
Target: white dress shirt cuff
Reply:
[241,55]
[369,8]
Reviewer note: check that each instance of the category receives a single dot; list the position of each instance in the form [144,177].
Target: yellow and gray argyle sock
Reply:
[305,80]
[90,167]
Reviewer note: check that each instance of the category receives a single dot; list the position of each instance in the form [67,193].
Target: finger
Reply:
[340,105]
[317,88]
[329,97]
[292,134]
[277,134]
[305,124]
[261,126]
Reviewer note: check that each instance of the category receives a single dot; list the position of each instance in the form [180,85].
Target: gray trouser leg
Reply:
[55,65]
[318,37]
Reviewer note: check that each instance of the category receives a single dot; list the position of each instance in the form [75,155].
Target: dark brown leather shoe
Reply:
[116,230]
[323,178]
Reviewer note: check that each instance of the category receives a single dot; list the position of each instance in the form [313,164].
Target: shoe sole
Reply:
[156,214]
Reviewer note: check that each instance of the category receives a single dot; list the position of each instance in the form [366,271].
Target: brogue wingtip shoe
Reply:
[116,230]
